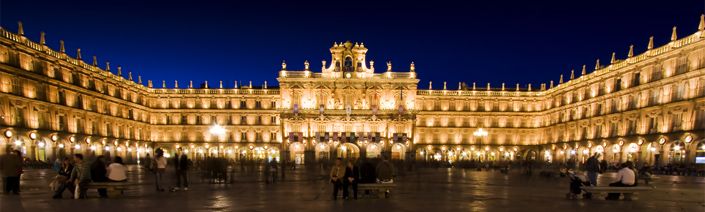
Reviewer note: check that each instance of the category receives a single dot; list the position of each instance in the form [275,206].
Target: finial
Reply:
[460,85]
[389,65]
[119,71]
[560,81]
[235,84]
[163,83]
[631,51]
[430,85]
[529,86]
[283,64]
[149,84]
[444,85]
[551,83]
[597,64]
[20,28]
[488,86]
[129,75]
[190,84]
[95,60]
[205,84]
[572,74]
[62,49]
[473,86]
[701,25]
[139,79]
[372,64]
[306,65]
[583,72]
[543,86]
[265,84]
[250,84]
[78,53]
[176,84]
[221,84]
[674,35]
[107,66]
[517,86]
[614,58]
[502,86]
[42,38]
[412,67]
[651,43]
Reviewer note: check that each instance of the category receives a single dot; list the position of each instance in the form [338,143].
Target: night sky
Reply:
[486,41]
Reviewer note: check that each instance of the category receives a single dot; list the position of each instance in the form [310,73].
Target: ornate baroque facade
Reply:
[648,107]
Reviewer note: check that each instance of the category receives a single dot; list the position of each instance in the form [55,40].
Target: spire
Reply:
[129,75]
[250,84]
[306,65]
[473,86]
[78,53]
[488,86]
[119,71]
[674,35]
[444,85]
[205,84]
[235,84]
[430,85]
[107,66]
[583,72]
[502,86]
[163,83]
[597,64]
[149,84]
[651,43]
[412,67]
[631,51]
[560,81]
[42,38]
[139,79]
[517,86]
[614,58]
[572,74]
[529,86]
[460,85]
[701,25]
[265,84]
[62,49]
[221,84]
[176,84]
[283,64]
[95,60]
[551,83]
[190,84]
[20,28]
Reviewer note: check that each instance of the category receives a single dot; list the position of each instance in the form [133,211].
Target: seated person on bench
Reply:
[627,178]
[385,171]
[117,171]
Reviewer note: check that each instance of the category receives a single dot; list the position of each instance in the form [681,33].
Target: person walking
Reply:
[181,165]
[337,172]
[352,176]
[11,168]
[80,176]
[99,173]
[159,168]
[592,166]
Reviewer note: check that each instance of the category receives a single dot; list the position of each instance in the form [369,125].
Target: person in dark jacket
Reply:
[350,179]
[367,172]
[592,166]
[99,174]
[181,165]
[11,169]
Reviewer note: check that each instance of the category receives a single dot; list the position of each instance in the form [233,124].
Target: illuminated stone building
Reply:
[647,107]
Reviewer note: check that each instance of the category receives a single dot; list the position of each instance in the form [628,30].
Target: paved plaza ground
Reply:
[428,189]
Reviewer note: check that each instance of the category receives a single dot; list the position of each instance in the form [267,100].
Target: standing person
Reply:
[116,171]
[181,166]
[64,179]
[592,166]
[626,177]
[352,176]
[159,167]
[385,171]
[11,168]
[80,175]
[99,173]
[337,172]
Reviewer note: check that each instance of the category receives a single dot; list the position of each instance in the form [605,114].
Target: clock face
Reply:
[688,139]
[662,140]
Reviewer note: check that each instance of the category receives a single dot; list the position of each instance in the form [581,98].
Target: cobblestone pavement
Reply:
[423,190]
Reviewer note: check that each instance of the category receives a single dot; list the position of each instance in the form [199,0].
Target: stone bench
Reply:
[628,192]
[114,188]
[376,189]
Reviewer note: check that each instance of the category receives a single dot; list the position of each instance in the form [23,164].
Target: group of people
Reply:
[77,175]
[626,175]
[348,176]
[11,169]
[159,164]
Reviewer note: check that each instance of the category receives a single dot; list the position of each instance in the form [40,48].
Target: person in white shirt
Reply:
[626,177]
[117,171]
[159,168]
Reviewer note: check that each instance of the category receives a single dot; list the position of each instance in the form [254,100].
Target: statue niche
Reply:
[348,64]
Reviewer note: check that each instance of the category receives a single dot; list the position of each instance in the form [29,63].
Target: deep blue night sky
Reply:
[486,41]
